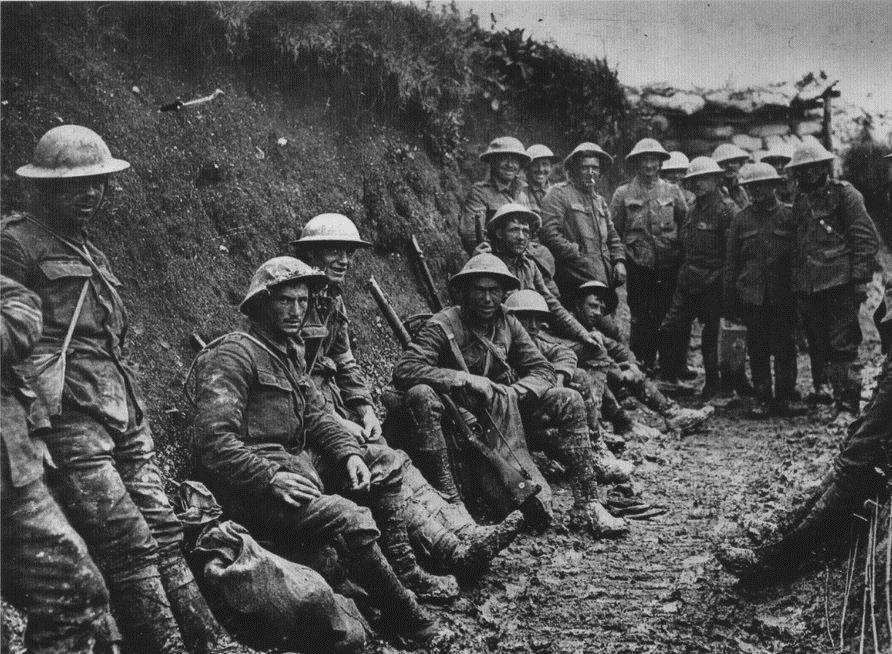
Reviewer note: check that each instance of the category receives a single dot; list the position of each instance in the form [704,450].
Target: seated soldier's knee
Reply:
[423,397]
[356,527]
[385,464]
[564,404]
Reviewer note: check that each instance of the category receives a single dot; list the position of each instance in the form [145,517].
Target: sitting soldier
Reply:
[275,457]
[440,526]
[485,358]
[595,303]
[531,310]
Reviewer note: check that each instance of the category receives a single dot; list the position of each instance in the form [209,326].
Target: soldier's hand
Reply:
[619,272]
[595,339]
[371,426]
[358,471]
[293,488]
[354,429]
[482,248]
[479,386]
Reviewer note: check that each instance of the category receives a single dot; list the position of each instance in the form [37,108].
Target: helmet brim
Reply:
[316,282]
[508,282]
[665,156]
[30,171]
[824,159]
[520,155]
[321,241]
[705,173]
[605,158]
[530,217]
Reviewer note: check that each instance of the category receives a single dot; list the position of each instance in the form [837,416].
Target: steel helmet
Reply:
[608,294]
[776,156]
[809,153]
[676,161]
[648,146]
[701,166]
[329,229]
[539,151]
[759,172]
[729,152]
[888,156]
[513,210]
[527,301]
[485,264]
[591,149]
[276,271]
[71,151]
[506,145]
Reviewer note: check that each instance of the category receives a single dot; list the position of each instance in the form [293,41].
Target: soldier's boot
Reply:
[143,614]
[434,465]
[587,512]
[711,388]
[389,514]
[399,606]
[201,631]
[845,378]
[469,554]
[609,468]
[683,421]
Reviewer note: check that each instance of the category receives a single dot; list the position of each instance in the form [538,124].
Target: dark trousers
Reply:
[770,334]
[706,306]
[831,323]
[650,294]
[48,574]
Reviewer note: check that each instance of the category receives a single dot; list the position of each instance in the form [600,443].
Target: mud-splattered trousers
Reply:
[836,247]
[46,569]
[100,441]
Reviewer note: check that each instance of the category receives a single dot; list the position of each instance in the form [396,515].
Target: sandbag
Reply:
[271,601]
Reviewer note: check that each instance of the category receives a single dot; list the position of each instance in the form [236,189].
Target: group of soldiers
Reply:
[286,434]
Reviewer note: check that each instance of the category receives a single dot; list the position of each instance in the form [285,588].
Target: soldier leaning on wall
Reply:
[96,428]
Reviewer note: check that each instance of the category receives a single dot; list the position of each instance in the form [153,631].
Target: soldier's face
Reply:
[515,234]
[649,166]
[812,176]
[72,201]
[672,176]
[483,296]
[588,172]
[731,169]
[703,185]
[287,308]
[538,172]
[591,308]
[505,168]
[530,322]
[336,262]
[761,193]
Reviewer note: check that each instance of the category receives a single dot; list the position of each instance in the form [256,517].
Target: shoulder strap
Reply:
[445,321]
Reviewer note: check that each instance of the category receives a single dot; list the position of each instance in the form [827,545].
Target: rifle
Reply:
[472,437]
[426,277]
[479,231]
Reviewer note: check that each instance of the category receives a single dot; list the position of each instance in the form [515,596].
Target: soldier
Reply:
[47,572]
[538,176]
[576,224]
[96,428]
[329,242]
[275,456]
[777,159]
[698,292]
[731,158]
[484,356]
[596,302]
[648,213]
[835,255]
[533,313]
[758,287]
[505,157]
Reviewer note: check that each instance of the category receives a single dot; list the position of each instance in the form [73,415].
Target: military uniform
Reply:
[99,439]
[532,196]
[758,288]
[577,228]
[47,571]
[836,247]
[737,194]
[698,293]
[648,220]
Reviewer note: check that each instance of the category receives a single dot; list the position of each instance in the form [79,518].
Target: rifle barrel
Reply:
[399,330]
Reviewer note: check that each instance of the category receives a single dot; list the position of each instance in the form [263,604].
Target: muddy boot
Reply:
[587,513]
[477,547]
[435,467]
[143,614]
[201,631]
[395,543]
[684,421]
[610,470]
[400,609]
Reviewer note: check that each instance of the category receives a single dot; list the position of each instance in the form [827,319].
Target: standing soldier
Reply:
[731,158]
[576,224]
[758,287]
[47,571]
[673,171]
[538,175]
[96,430]
[836,248]
[329,241]
[505,157]
[777,159]
[282,465]
[698,292]
[648,213]
[485,356]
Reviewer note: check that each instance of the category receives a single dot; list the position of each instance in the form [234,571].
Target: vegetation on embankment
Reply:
[374,110]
